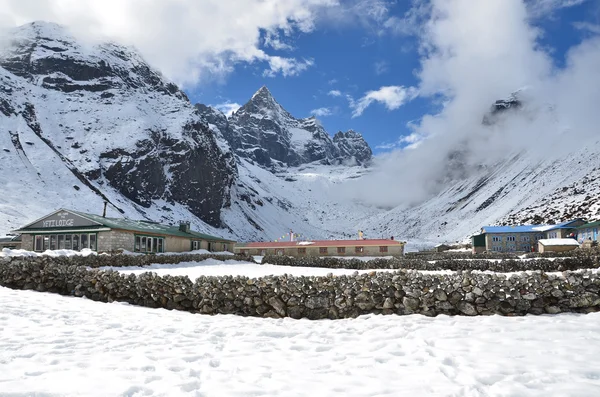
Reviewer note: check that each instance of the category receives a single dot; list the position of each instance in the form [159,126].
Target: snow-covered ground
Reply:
[62,346]
[7,252]
[213,267]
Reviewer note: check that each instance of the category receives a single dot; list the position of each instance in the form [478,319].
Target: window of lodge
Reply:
[75,242]
[149,244]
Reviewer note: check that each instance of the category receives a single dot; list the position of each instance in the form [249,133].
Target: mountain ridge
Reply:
[263,131]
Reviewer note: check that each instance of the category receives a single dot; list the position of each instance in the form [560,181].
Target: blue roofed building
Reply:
[521,238]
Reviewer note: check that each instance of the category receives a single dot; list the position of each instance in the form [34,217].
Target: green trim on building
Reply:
[121,224]
[589,225]
[478,240]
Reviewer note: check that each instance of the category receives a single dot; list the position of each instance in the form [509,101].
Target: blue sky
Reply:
[354,59]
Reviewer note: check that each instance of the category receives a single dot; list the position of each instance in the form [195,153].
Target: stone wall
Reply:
[333,297]
[116,239]
[140,260]
[27,242]
[504,265]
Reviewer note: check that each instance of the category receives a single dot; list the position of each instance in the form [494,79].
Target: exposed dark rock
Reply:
[263,131]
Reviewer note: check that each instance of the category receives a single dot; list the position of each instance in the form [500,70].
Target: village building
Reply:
[522,238]
[557,245]
[365,247]
[10,242]
[566,229]
[588,232]
[74,230]
[441,248]
[508,238]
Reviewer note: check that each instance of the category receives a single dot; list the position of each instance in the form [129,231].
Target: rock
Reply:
[388,303]
[316,302]
[278,305]
[364,301]
[467,308]
[553,310]
[440,295]
[411,303]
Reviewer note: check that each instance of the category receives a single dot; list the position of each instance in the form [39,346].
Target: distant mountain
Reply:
[263,131]
[523,187]
[81,124]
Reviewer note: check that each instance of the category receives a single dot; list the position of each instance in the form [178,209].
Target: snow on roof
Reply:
[559,241]
[562,225]
[321,243]
[513,229]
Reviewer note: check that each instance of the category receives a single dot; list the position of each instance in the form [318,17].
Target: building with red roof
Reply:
[365,247]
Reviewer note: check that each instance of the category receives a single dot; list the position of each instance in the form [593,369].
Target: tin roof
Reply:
[321,243]
[588,225]
[147,227]
[135,226]
[529,228]
[513,229]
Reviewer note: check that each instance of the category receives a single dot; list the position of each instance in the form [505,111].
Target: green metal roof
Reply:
[147,227]
[589,225]
[137,226]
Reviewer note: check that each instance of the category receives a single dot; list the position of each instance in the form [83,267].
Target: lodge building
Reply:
[521,238]
[378,247]
[74,230]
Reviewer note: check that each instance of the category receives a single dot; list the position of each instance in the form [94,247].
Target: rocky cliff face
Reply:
[263,131]
[116,123]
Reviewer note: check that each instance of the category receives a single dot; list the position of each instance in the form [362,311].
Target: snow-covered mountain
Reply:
[557,181]
[85,123]
[263,131]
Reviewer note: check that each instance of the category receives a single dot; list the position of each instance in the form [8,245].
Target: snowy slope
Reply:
[303,199]
[84,123]
[516,190]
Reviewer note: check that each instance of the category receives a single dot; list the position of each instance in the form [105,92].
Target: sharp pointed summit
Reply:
[262,130]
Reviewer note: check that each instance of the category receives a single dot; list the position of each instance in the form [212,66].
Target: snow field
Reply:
[61,346]
[213,267]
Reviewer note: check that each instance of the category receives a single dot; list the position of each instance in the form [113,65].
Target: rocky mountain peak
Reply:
[263,131]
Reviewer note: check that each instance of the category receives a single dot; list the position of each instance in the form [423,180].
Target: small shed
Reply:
[441,248]
[557,245]
[11,242]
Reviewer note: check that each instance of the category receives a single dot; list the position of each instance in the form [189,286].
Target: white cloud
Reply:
[286,66]
[589,27]
[188,40]
[334,93]
[541,8]
[332,81]
[381,67]
[227,108]
[321,112]
[391,96]
[472,54]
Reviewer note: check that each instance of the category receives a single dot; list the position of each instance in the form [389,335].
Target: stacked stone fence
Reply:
[124,260]
[401,292]
[505,265]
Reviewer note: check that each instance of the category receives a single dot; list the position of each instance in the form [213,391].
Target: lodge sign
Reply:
[58,222]
[63,219]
